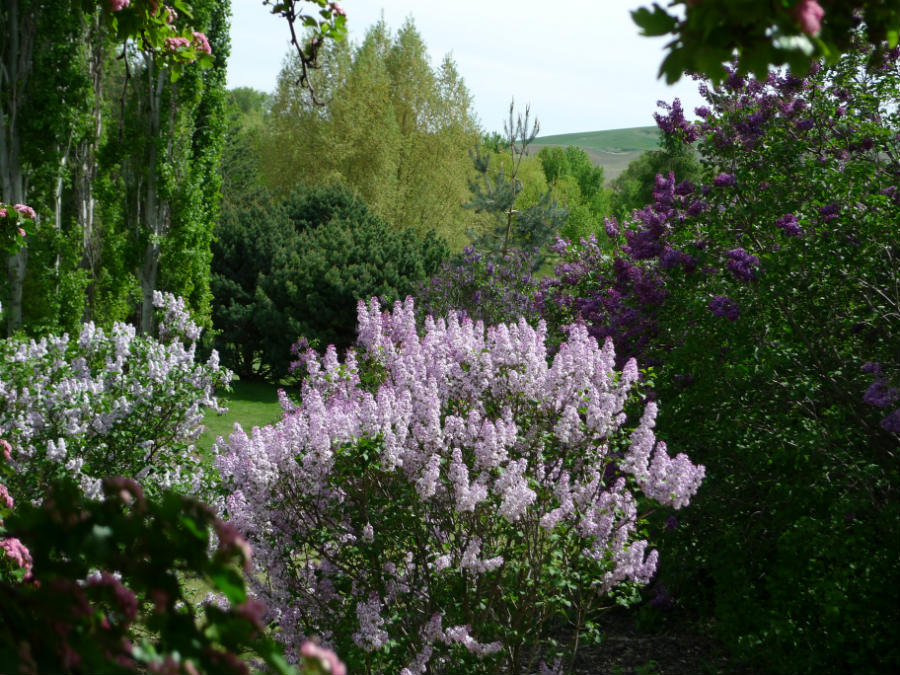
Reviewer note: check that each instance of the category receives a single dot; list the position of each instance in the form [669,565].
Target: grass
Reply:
[252,403]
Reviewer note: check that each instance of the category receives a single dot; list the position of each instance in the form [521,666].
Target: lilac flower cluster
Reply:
[488,447]
[620,295]
[881,395]
[742,265]
[108,403]
[725,307]
[674,123]
[490,287]
[789,225]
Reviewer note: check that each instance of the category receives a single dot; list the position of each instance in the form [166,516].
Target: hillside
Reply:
[613,149]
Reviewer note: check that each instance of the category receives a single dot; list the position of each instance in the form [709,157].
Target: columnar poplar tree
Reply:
[56,79]
[175,131]
[41,49]
[16,56]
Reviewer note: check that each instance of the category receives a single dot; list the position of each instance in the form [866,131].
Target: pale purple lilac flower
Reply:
[472,422]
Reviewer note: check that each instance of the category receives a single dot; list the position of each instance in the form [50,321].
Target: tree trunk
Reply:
[154,209]
[15,65]
[86,166]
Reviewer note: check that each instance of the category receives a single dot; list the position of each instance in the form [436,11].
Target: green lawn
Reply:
[252,403]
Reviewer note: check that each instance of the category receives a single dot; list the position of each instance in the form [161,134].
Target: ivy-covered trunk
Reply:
[16,46]
[152,208]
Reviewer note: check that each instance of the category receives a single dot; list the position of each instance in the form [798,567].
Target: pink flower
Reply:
[21,231]
[809,15]
[335,9]
[18,553]
[3,213]
[5,497]
[26,211]
[117,5]
[325,656]
[174,43]
[201,43]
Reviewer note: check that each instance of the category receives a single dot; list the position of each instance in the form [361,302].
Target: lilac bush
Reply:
[791,286]
[489,287]
[613,295]
[108,403]
[452,495]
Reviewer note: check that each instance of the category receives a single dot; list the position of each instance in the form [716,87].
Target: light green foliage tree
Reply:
[579,186]
[393,129]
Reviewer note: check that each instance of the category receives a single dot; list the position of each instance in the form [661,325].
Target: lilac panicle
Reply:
[725,307]
[742,265]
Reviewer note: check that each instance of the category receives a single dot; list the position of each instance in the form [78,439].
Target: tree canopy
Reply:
[706,34]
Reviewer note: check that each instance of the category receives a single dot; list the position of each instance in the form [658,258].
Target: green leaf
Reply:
[657,22]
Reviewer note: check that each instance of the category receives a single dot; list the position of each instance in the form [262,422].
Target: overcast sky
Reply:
[580,63]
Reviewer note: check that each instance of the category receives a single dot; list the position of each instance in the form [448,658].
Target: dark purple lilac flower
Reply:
[664,193]
[724,180]
[671,523]
[696,207]
[684,188]
[789,224]
[892,422]
[829,212]
[684,380]
[672,258]
[702,111]
[642,245]
[892,193]
[742,264]
[804,125]
[560,245]
[674,122]
[871,367]
[880,395]
[735,82]
[725,307]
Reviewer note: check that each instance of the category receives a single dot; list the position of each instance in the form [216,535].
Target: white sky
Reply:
[581,64]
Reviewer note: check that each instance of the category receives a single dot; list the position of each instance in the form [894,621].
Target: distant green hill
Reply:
[611,140]
[612,149]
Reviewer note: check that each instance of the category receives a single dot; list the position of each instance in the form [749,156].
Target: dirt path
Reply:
[684,650]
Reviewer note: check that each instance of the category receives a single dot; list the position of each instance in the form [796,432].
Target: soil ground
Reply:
[674,648]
